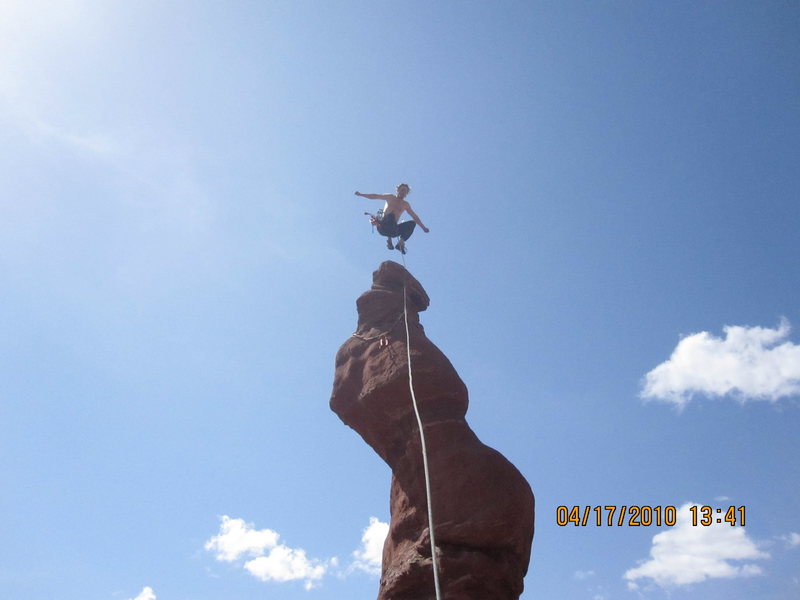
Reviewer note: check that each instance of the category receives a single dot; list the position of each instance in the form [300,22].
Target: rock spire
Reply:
[483,506]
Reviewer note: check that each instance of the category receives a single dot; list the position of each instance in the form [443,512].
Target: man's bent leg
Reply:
[406,229]
[386,230]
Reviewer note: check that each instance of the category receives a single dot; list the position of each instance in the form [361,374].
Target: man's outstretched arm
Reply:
[375,196]
[417,220]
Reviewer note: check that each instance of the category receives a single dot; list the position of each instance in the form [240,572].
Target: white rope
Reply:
[435,561]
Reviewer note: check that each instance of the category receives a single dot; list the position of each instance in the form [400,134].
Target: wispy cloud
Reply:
[579,575]
[146,594]
[792,540]
[688,554]
[369,556]
[33,34]
[749,363]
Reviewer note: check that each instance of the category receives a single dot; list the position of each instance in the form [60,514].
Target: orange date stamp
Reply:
[614,515]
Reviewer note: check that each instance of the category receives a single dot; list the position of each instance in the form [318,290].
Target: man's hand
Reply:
[425,229]
[359,194]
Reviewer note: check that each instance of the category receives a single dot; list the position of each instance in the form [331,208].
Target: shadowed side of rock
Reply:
[483,507]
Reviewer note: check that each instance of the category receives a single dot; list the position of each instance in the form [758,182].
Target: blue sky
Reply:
[612,193]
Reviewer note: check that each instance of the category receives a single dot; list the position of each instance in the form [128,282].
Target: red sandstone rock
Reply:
[483,507]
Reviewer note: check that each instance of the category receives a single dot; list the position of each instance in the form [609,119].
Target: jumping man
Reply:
[388,224]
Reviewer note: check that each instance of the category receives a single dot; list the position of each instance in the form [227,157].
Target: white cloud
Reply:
[146,594]
[236,538]
[369,556]
[750,363]
[286,564]
[688,554]
[261,554]
[583,574]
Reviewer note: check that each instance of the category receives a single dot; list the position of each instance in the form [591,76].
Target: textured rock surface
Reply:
[483,507]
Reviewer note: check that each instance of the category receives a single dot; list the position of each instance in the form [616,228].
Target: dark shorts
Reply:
[389,227]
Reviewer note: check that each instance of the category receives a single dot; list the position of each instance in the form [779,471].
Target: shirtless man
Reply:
[388,225]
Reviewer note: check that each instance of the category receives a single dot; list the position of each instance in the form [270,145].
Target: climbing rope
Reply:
[435,561]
